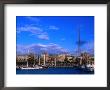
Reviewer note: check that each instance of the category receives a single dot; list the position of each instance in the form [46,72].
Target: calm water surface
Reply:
[54,71]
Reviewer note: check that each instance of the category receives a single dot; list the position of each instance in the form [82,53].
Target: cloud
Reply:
[88,47]
[53,27]
[33,18]
[43,37]
[62,39]
[37,20]
[34,30]
[50,48]
[21,49]
[31,29]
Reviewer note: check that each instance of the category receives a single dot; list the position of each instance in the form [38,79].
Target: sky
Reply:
[54,34]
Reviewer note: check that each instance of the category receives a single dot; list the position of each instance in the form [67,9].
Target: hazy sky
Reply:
[54,33]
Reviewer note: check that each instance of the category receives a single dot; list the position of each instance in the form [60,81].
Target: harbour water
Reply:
[54,71]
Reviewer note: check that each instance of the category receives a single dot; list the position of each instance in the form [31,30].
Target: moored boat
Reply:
[35,67]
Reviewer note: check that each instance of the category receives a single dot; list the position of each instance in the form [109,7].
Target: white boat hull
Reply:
[30,68]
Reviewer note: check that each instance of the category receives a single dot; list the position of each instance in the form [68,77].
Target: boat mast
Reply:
[55,61]
[27,59]
[34,59]
[79,42]
[39,59]
[44,58]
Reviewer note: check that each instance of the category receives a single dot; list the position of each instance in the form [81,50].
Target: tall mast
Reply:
[55,61]
[34,58]
[39,59]
[27,59]
[44,58]
[79,42]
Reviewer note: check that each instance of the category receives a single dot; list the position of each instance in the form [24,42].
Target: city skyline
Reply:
[54,34]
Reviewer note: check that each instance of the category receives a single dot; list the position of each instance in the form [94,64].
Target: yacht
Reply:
[28,68]
[90,67]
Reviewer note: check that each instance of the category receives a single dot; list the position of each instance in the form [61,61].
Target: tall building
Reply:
[45,57]
[21,58]
[61,57]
